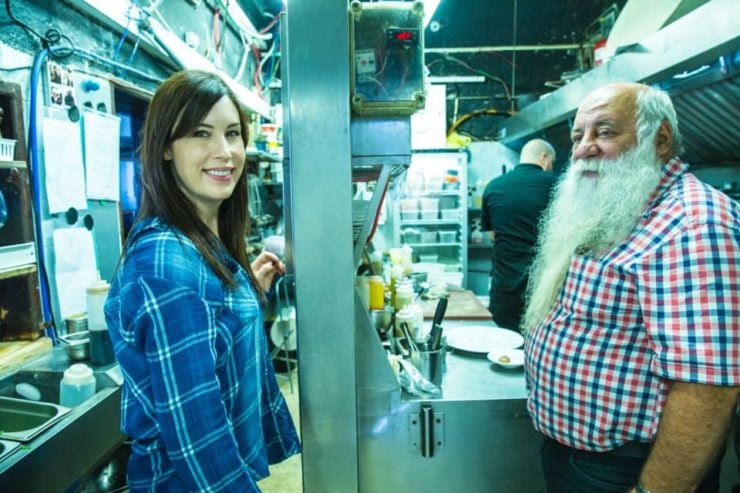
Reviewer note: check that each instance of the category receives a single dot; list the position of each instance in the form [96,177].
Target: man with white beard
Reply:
[633,313]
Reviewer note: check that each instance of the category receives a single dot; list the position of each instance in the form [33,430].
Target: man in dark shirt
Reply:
[512,205]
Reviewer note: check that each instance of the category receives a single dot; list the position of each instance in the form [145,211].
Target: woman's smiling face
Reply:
[210,160]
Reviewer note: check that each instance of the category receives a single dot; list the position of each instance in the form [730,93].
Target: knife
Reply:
[439,313]
[435,335]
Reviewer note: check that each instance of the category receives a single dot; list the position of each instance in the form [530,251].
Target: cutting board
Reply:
[14,355]
[461,305]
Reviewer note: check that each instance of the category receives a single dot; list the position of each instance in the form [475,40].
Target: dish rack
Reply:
[7,149]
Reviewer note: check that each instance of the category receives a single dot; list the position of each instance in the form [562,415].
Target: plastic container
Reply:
[77,385]
[450,213]
[413,315]
[404,294]
[377,294]
[363,287]
[448,202]
[429,214]
[447,236]
[429,204]
[407,259]
[409,215]
[428,236]
[409,205]
[428,257]
[410,236]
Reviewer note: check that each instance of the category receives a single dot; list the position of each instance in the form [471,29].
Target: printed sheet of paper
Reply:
[65,173]
[101,135]
[75,268]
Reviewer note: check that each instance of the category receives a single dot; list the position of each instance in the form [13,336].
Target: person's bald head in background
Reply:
[539,152]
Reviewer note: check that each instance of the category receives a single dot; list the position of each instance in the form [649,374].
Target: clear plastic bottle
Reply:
[407,254]
[363,287]
[77,385]
[404,293]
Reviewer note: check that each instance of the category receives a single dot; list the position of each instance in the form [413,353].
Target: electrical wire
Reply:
[133,52]
[217,37]
[105,61]
[45,42]
[473,114]
[250,33]
[124,35]
[480,72]
[245,56]
[33,152]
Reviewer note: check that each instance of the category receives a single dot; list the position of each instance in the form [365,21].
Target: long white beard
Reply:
[589,215]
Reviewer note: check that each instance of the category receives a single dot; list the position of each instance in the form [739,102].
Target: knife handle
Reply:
[439,313]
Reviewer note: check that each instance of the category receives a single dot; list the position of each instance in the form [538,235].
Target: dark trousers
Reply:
[568,470]
[507,308]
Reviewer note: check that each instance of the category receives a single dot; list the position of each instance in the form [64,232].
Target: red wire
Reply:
[216,35]
[255,77]
[273,21]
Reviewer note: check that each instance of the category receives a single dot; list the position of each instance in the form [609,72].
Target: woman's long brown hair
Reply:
[179,105]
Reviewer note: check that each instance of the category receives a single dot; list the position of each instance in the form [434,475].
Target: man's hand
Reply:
[265,267]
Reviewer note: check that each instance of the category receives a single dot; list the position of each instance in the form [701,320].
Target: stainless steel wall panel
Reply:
[316,99]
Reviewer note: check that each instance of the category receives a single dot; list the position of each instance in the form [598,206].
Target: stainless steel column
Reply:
[318,175]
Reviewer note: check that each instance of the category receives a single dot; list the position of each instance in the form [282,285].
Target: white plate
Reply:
[482,339]
[515,357]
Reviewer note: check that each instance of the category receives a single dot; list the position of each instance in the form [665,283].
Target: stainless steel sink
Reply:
[7,447]
[22,420]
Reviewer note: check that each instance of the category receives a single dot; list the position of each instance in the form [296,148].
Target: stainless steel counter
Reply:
[476,437]
[470,376]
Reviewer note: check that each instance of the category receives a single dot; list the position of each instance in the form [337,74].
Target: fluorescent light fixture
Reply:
[452,79]
[429,7]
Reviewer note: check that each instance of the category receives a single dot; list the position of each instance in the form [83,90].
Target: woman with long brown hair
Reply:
[200,400]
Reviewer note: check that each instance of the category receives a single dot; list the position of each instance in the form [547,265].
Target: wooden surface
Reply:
[461,305]
[14,355]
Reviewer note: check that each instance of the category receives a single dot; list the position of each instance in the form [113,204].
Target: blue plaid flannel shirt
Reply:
[200,400]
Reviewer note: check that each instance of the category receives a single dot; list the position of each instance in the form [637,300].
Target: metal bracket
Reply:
[426,431]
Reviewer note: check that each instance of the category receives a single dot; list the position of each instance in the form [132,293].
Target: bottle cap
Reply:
[98,287]
[78,374]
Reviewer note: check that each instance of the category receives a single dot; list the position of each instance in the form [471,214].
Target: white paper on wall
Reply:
[429,126]
[75,268]
[101,136]
[65,174]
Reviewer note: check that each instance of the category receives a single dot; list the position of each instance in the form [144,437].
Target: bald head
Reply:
[539,152]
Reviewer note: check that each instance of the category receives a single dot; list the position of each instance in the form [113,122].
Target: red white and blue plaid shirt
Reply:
[662,305]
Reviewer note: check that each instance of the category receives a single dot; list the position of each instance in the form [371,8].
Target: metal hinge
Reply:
[427,431]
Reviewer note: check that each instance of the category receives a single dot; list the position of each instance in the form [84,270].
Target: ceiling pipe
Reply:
[487,49]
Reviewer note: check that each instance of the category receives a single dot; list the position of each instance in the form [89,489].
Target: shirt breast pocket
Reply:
[601,290]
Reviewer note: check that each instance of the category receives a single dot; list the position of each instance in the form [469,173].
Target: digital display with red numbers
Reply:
[402,37]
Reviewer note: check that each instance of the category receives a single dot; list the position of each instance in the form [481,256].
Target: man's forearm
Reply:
[693,426]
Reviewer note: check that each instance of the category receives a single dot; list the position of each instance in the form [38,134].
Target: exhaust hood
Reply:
[706,101]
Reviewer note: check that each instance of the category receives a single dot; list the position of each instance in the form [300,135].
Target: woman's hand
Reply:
[265,267]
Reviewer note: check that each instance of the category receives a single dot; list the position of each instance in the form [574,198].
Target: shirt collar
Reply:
[670,173]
